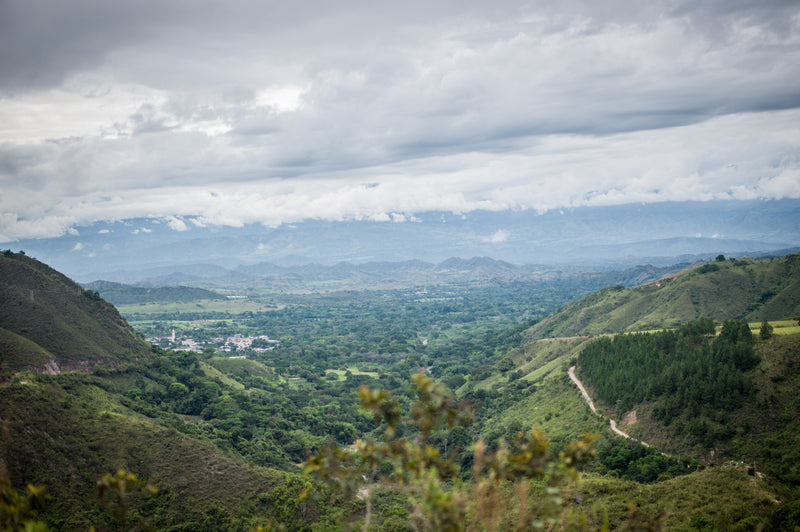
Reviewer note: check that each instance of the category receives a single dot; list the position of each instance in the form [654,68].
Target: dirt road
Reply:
[585,394]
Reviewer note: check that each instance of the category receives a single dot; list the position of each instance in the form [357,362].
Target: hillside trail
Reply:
[585,394]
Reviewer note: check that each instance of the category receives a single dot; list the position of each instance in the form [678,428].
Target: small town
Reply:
[234,343]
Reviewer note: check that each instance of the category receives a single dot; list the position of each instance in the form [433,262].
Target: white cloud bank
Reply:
[276,113]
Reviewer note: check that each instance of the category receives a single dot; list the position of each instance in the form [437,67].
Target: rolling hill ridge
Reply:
[753,289]
[122,294]
[66,326]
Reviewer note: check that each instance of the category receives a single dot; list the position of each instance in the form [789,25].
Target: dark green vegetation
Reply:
[122,294]
[408,458]
[681,373]
[75,327]
[222,438]
[67,431]
[705,395]
[381,321]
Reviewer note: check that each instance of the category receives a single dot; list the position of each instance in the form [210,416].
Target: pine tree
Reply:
[766,330]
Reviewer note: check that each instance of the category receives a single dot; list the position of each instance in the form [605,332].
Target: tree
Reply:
[117,492]
[18,511]
[720,258]
[437,499]
[766,330]
[177,389]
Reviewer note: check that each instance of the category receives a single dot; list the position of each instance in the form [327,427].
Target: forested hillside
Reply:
[65,432]
[729,396]
[676,370]
[720,290]
[75,327]
[122,294]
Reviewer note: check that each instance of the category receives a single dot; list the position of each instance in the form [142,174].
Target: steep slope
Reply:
[725,289]
[762,430]
[66,431]
[17,352]
[75,326]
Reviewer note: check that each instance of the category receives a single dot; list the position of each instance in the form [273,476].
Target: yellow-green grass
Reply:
[779,327]
[724,495]
[234,306]
[556,406]
[354,370]
[721,291]
[537,360]
[213,372]
[233,366]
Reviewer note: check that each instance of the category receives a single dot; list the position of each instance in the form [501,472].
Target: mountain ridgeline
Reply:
[751,289]
[122,294]
[48,320]
[82,395]
[151,284]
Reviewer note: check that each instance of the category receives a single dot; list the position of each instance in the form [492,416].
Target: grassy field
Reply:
[354,370]
[232,306]
[214,373]
[241,366]
[555,406]
[551,402]
[780,327]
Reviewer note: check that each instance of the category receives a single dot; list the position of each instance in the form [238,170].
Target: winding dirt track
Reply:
[588,399]
[578,383]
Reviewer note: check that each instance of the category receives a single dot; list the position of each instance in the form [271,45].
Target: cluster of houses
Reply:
[237,342]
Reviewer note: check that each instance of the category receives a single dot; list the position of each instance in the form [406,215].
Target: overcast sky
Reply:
[239,112]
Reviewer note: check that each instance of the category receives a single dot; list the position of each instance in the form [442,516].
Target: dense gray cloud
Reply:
[275,112]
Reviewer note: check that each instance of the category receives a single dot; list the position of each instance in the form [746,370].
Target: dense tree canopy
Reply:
[682,372]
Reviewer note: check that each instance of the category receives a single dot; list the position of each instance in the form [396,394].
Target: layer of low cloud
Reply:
[274,113]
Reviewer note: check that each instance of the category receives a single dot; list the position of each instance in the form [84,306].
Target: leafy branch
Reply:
[405,461]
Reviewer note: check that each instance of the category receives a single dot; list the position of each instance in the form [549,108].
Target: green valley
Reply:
[226,437]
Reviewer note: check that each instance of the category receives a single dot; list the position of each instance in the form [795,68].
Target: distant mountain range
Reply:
[209,282]
[613,237]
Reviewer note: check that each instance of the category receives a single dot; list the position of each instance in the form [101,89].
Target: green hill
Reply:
[75,326]
[123,294]
[18,353]
[130,408]
[735,466]
[754,289]
[754,417]
[66,431]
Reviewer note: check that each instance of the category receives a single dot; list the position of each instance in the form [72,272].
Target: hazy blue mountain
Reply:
[589,237]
